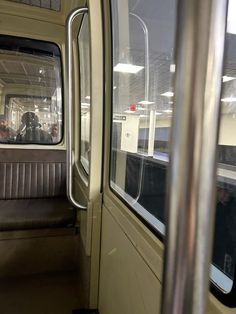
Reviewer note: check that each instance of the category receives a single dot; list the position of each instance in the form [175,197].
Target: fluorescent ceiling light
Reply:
[228,99]
[127,68]
[168,94]
[172,68]
[85,105]
[158,113]
[145,102]
[167,110]
[143,116]
[129,111]
[87,97]
[227,78]
[231,23]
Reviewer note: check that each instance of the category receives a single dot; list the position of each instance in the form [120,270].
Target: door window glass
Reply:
[143,69]
[85,93]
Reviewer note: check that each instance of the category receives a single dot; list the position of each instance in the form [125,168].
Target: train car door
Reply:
[84,140]
[140,71]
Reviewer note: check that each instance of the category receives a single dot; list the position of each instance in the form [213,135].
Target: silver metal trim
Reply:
[147,66]
[69,118]
[147,75]
[192,179]
[221,280]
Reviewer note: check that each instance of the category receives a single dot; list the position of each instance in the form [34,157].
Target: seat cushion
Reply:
[36,213]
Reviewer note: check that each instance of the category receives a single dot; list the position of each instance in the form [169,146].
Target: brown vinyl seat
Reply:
[36,214]
[32,190]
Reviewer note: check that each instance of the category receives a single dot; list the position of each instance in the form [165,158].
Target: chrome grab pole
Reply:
[192,177]
[69,117]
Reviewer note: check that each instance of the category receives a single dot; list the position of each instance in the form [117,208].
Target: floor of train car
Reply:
[39,272]
[55,293]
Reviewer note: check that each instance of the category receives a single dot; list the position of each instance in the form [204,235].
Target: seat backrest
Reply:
[37,173]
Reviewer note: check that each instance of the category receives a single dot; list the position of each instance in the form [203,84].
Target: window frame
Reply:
[36,47]
[86,173]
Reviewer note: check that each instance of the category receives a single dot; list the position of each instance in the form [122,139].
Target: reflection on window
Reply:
[84,53]
[224,254]
[30,98]
[143,69]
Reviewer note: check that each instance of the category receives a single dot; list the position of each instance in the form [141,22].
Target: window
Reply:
[143,68]
[85,93]
[30,92]
[224,253]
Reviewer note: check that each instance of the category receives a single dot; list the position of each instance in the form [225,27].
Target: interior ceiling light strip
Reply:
[54,5]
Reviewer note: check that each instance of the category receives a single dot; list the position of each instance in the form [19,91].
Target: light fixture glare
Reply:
[227,78]
[85,105]
[168,94]
[129,111]
[145,102]
[127,68]
[228,99]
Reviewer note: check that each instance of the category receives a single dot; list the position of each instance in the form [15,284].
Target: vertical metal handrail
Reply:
[69,116]
[146,60]
[192,177]
[146,95]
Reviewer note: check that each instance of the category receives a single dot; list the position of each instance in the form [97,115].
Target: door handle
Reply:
[69,118]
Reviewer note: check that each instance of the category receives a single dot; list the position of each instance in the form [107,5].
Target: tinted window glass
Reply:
[224,254]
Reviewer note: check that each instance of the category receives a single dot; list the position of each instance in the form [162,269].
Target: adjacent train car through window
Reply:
[31,92]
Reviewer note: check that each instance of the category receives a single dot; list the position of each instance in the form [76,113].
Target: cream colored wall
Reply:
[131,266]
[227,135]
[129,134]
[144,123]
[128,285]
